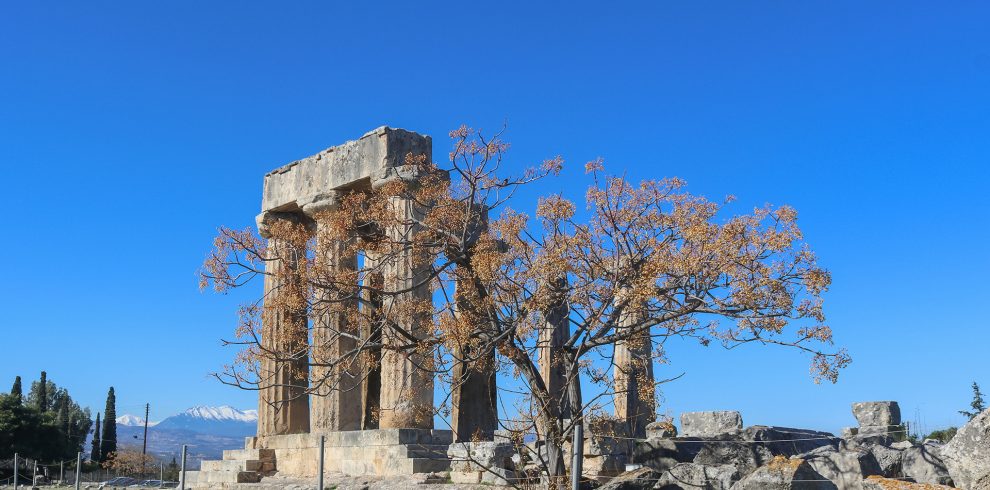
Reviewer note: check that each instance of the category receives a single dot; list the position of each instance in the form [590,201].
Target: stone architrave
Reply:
[335,375]
[634,392]
[283,403]
[407,376]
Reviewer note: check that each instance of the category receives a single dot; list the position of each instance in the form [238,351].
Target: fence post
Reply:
[182,470]
[161,475]
[61,472]
[15,471]
[320,484]
[34,475]
[577,449]
[78,468]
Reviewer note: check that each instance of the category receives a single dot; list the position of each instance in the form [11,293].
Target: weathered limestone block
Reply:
[881,483]
[745,457]
[889,458]
[288,187]
[692,476]
[482,462]
[710,424]
[924,464]
[845,468]
[660,430]
[606,450]
[639,479]
[877,414]
[786,441]
[967,455]
[784,474]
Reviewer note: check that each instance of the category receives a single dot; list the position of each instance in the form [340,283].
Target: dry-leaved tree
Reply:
[641,264]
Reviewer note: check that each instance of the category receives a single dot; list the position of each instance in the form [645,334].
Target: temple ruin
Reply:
[370,423]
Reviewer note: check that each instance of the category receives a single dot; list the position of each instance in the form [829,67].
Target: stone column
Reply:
[554,334]
[371,384]
[283,404]
[634,392]
[335,402]
[407,375]
[474,394]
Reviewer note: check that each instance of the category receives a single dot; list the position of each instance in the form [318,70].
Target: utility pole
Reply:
[144,449]
[15,471]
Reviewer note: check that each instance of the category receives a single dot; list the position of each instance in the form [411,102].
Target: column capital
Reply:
[266,218]
[318,203]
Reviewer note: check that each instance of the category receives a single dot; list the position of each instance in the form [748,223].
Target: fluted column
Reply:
[283,405]
[335,402]
[634,391]
[407,375]
[474,394]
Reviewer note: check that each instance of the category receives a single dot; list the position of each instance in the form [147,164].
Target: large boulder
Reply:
[967,455]
[745,456]
[710,424]
[923,463]
[663,454]
[660,430]
[693,476]
[482,462]
[786,441]
[889,459]
[784,474]
[639,479]
[846,468]
[877,414]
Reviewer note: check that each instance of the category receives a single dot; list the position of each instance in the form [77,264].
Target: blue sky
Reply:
[131,130]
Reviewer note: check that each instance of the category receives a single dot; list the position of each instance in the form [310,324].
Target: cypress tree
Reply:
[16,389]
[109,443]
[43,393]
[94,455]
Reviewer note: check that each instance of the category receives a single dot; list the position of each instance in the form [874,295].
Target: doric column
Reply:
[634,391]
[407,375]
[283,404]
[474,393]
[335,378]
[552,337]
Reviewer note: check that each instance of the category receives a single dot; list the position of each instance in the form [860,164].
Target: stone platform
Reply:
[381,452]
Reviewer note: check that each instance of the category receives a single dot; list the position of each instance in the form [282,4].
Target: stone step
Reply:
[228,477]
[234,465]
[249,454]
[426,465]
[426,451]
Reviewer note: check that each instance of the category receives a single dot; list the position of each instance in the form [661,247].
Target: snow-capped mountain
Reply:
[133,421]
[222,421]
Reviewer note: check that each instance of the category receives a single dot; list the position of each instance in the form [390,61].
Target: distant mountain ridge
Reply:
[207,431]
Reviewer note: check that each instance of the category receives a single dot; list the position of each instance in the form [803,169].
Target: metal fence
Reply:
[25,473]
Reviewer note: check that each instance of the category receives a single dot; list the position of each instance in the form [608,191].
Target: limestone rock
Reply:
[710,424]
[877,414]
[889,459]
[660,430]
[639,479]
[786,441]
[846,468]
[923,463]
[744,456]
[693,476]
[881,483]
[784,474]
[486,462]
[659,454]
[967,455]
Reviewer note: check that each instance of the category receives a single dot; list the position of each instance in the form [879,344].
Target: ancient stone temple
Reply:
[371,420]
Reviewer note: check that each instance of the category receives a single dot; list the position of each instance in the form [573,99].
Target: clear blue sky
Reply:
[131,130]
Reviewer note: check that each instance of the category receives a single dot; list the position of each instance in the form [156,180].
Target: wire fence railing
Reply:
[24,472]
